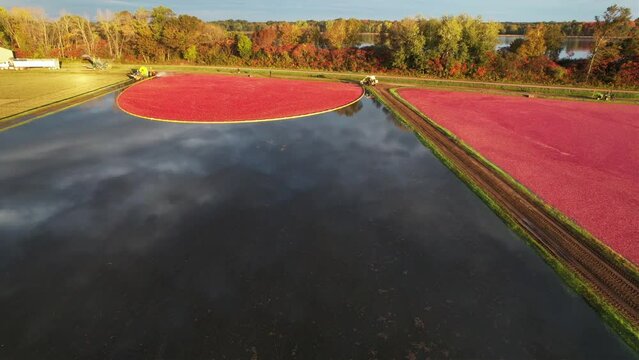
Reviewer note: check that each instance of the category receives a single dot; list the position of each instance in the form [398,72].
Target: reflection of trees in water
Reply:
[355,108]
[351,109]
[390,117]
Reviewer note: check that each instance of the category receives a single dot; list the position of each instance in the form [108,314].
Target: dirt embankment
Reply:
[608,284]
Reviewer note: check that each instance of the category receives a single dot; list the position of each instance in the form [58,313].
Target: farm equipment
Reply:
[370,80]
[95,63]
[602,97]
[141,73]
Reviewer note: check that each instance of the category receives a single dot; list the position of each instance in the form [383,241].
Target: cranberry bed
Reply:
[217,98]
[580,157]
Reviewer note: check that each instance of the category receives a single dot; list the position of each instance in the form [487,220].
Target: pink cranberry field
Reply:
[580,157]
[217,98]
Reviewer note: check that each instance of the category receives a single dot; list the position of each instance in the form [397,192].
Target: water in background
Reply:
[574,47]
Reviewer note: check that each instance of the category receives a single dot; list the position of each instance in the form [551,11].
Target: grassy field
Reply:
[23,91]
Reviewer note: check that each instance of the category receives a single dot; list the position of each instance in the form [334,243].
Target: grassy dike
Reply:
[611,316]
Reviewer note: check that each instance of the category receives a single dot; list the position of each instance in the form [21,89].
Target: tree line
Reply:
[569,28]
[450,46]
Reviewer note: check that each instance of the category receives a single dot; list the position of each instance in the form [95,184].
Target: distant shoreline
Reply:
[567,36]
[512,35]
[504,35]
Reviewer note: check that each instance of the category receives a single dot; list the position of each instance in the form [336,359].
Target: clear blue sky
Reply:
[260,10]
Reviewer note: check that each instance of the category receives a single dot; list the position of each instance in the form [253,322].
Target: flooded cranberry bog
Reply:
[580,157]
[336,235]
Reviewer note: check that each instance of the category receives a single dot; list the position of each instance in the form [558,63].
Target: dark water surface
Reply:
[329,237]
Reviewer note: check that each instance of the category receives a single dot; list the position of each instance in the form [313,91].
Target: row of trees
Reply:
[570,28]
[614,59]
[451,46]
[366,26]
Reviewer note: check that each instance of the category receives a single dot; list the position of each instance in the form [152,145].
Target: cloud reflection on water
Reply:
[332,233]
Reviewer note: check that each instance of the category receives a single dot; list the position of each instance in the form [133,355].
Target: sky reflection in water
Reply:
[326,237]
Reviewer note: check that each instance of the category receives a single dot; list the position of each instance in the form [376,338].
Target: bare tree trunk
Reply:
[108,34]
[58,27]
[87,34]
[109,37]
[117,42]
[45,36]
[595,51]
[11,31]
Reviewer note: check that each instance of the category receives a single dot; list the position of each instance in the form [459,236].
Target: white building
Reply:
[8,61]
[35,63]
[5,56]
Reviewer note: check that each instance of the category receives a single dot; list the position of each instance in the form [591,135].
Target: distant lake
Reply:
[574,47]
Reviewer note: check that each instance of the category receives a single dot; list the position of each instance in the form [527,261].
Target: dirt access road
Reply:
[610,282]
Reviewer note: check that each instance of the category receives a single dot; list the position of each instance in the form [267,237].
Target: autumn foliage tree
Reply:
[244,46]
[451,46]
[288,34]
[264,39]
[535,43]
[27,29]
[180,33]
[614,26]
[342,33]
[406,44]
[554,39]
[118,30]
